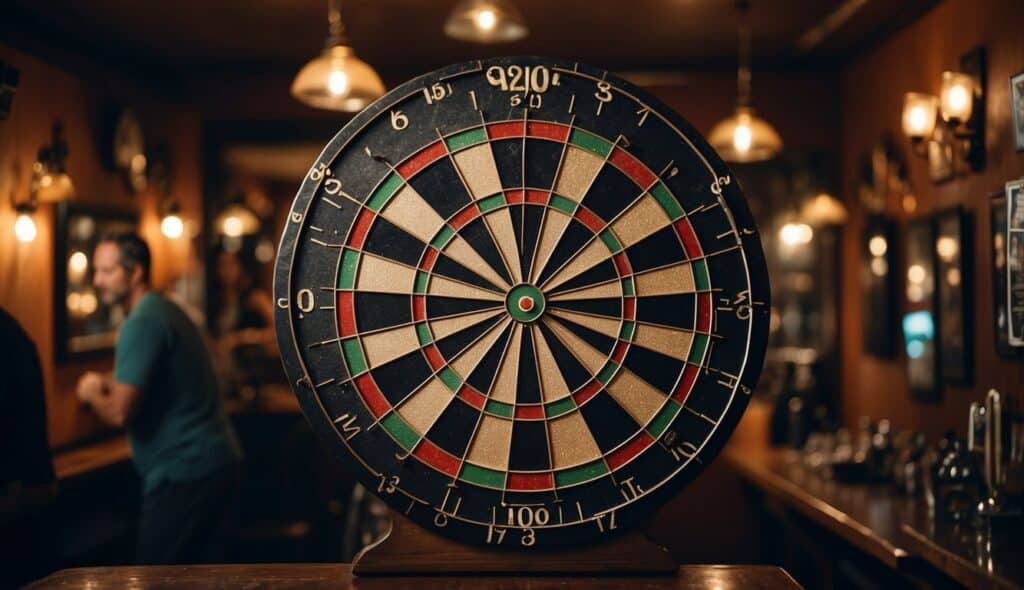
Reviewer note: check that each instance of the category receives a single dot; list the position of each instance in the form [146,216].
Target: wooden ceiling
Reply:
[404,37]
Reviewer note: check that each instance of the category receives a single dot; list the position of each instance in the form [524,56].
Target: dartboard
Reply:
[523,300]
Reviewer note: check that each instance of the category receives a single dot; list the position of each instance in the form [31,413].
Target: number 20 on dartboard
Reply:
[524,79]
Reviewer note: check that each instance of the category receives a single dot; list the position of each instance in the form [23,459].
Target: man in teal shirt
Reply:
[164,391]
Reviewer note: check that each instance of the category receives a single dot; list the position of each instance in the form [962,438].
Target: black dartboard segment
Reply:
[523,299]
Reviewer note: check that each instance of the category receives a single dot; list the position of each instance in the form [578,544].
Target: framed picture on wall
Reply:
[997,248]
[920,322]
[953,280]
[1017,109]
[83,323]
[1015,261]
[878,276]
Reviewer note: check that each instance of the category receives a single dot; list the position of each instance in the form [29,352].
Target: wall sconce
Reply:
[50,180]
[959,108]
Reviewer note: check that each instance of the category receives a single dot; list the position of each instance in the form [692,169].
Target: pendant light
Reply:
[336,79]
[485,21]
[743,136]
[236,220]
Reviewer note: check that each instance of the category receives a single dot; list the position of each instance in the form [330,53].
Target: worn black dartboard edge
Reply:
[320,380]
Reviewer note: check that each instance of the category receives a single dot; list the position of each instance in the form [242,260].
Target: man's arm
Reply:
[114,402]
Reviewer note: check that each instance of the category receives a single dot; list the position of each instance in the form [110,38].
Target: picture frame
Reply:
[879,276]
[920,321]
[1015,261]
[954,299]
[1017,109]
[83,325]
[998,251]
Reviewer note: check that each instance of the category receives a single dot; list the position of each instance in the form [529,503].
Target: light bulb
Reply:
[232,226]
[172,226]
[486,19]
[919,112]
[337,83]
[918,117]
[742,137]
[25,228]
[916,274]
[878,246]
[78,263]
[947,248]
[796,234]
[957,96]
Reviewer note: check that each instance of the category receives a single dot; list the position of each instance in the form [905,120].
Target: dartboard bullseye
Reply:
[523,299]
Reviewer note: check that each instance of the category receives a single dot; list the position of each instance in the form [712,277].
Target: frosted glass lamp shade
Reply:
[337,80]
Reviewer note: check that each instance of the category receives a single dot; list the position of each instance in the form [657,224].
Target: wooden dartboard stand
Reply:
[408,549]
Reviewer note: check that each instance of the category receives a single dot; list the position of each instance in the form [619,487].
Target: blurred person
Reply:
[27,482]
[243,324]
[164,391]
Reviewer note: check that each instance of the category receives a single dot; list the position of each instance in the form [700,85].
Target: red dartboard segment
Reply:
[372,395]
[419,307]
[527,482]
[434,357]
[472,397]
[422,159]
[346,314]
[437,458]
[589,219]
[506,129]
[638,444]
[685,385]
[515,197]
[546,130]
[622,264]
[586,392]
[362,227]
[529,412]
[629,308]
[429,258]
[633,168]
[704,312]
[463,217]
[690,242]
[537,197]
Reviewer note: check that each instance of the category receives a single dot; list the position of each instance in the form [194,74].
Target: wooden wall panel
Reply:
[46,93]
[872,89]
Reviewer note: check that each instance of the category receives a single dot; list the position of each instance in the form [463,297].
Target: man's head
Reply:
[121,267]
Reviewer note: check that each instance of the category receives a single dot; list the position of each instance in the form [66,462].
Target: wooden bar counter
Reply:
[894,529]
[280,576]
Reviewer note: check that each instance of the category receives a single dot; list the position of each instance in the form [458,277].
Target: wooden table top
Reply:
[279,576]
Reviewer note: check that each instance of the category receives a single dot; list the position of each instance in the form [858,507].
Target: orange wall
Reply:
[872,90]
[46,93]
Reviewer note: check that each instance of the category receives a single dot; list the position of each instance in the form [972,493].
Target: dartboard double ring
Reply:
[523,299]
